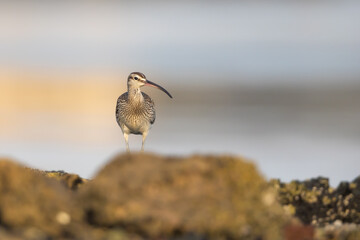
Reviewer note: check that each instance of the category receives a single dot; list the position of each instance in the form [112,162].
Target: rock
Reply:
[145,196]
[317,183]
[200,197]
[30,205]
[71,181]
[343,189]
[338,232]
[299,232]
[315,202]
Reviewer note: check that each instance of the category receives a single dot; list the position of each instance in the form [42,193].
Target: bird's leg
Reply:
[143,140]
[126,136]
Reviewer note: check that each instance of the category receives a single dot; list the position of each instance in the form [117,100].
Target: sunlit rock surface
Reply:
[200,196]
[33,206]
[144,196]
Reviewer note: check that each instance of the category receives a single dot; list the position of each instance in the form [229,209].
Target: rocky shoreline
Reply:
[315,202]
[145,196]
[333,212]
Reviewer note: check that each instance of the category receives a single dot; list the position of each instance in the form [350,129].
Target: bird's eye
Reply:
[136,78]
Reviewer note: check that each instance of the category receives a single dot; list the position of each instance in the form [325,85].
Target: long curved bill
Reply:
[151,84]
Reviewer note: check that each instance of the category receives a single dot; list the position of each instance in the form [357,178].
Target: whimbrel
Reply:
[135,110]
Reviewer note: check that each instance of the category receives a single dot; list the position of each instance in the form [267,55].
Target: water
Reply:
[289,134]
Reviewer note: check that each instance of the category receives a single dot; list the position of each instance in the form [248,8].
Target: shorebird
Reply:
[135,110]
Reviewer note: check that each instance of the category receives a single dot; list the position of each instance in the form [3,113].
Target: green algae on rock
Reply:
[211,197]
[72,181]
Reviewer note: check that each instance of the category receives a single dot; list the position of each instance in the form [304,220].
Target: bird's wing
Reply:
[150,106]
[123,98]
[121,102]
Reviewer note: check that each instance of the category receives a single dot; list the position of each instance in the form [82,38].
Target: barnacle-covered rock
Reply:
[315,202]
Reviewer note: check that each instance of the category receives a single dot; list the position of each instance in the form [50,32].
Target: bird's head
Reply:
[138,79]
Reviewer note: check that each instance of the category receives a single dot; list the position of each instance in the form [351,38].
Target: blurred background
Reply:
[277,82]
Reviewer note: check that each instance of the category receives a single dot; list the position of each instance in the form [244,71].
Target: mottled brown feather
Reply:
[128,110]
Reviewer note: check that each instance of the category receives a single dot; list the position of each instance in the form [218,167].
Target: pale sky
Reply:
[279,40]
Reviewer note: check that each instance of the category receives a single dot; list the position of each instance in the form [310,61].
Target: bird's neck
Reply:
[135,94]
